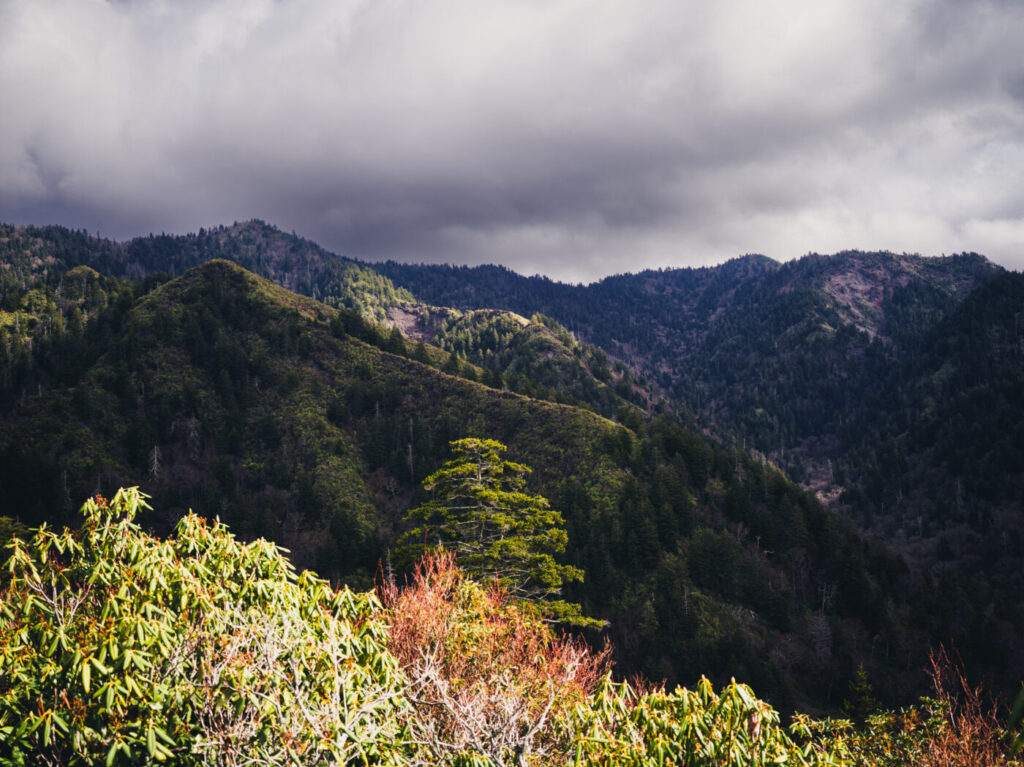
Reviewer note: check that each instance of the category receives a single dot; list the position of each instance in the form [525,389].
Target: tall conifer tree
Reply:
[481,510]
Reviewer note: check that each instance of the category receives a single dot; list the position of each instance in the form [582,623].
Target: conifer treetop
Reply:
[481,509]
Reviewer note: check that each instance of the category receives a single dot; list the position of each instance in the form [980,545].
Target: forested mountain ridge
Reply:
[287,259]
[706,333]
[336,419]
[800,361]
[536,356]
[889,383]
[224,393]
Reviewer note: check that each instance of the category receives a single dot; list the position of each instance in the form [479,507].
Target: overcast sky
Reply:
[575,138]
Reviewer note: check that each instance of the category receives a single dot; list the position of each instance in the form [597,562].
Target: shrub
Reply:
[958,727]
[487,676]
[627,727]
[119,648]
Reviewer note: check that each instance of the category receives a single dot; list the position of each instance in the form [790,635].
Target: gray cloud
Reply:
[566,137]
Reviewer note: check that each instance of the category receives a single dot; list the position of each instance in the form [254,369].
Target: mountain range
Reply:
[777,472]
[889,384]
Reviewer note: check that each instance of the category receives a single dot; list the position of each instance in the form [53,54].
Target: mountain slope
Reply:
[769,352]
[537,357]
[940,465]
[802,361]
[225,393]
[290,261]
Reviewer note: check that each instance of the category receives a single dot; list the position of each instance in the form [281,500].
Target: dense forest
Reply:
[889,384]
[312,420]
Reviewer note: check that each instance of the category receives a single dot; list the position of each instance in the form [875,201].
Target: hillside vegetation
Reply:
[887,383]
[224,393]
[120,647]
[537,357]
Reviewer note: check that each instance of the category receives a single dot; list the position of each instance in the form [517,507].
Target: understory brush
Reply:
[119,648]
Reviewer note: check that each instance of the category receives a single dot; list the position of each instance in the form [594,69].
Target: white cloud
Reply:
[573,138]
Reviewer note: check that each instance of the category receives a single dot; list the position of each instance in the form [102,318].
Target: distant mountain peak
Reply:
[859,285]
[754,260]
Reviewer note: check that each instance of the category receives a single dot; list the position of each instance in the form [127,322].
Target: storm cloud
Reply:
[568,137]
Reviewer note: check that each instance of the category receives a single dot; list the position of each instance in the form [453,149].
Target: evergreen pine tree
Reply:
[480,510]
[421,354]
[395,342]
[862,702]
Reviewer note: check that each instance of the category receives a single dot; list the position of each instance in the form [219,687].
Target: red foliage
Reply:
[971,735]
[481,665]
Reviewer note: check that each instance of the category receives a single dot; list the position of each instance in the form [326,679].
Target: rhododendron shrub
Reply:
[958,726]
[626,727]
[119,648]
[487,676]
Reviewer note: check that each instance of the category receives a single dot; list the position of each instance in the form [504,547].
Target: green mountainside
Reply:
[937,460]
[890,384]
[287,259]
[778,355]
[287,418]
[538,357]
[870,377]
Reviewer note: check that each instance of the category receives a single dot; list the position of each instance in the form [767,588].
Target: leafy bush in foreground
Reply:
[487,676]
[491,685]
[958,727]
[629,728]
[119,648]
